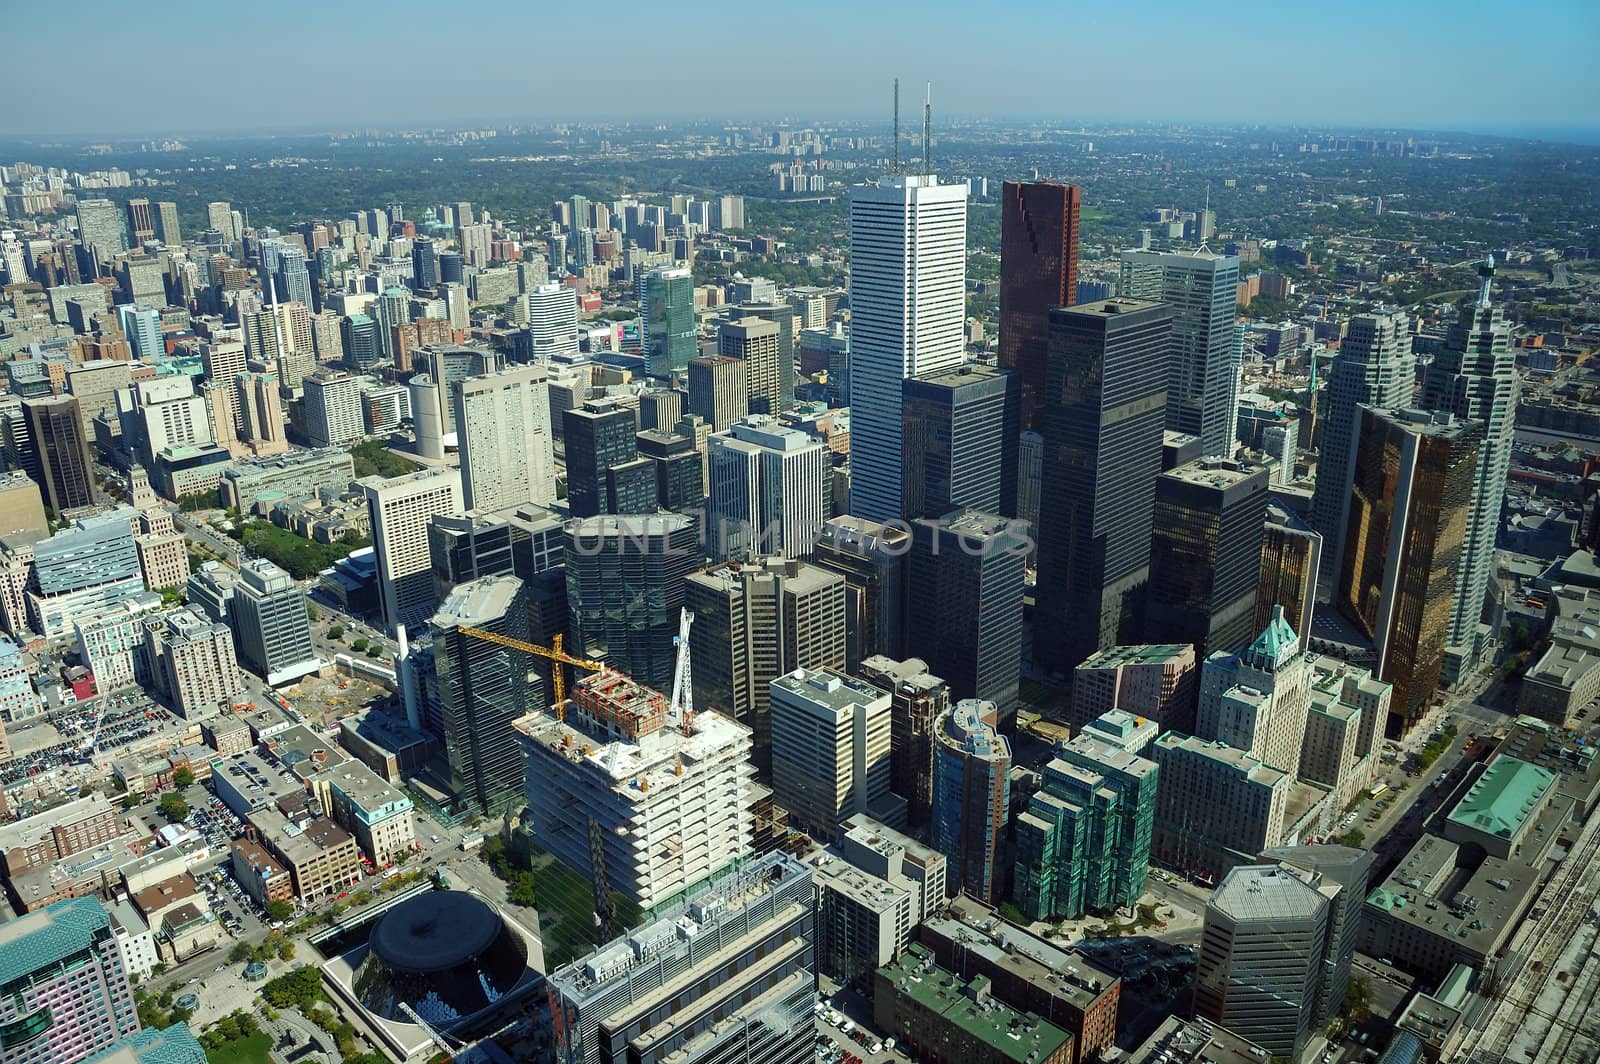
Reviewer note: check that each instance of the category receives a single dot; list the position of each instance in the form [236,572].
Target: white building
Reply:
[770,490]
[112,645]
[830,750]
[332,408]
[908,271]
[503,425]
[553,322]
[669,808]
[1257,701]
[399,510]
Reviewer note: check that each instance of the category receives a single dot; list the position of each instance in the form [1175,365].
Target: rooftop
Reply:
[45,937]
[30,830]
[1257,892]
[638,769]
[1502,799]
[1065,973]
[827,688]
[1197,1041]
[173,1045]
[1016,1036]
[1145,654]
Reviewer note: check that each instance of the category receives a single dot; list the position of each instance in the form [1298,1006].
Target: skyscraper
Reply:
[219,216]
[964,583]
[916,700]
[100,229]
[755,343]
[399,510]
[871,558]
[61,449]
[142,326]
[483,688]
[503,424]
[141,221]
[1475,377]
[1205,554]
[293,279]
[66,987]
[1375,367]
[362,348]
[754,623]
[908,244]
[553,322]
[261,413]
[599,437]
[1105,391]
[830,751]
[167,224]
[625,580]
[1410,499]
[1291,552]
[669,325]
[269,619]
[972,796]
[787,321]
[960,442]
[332,408]
[1350,869]
[1260,962]
[1203,359]
[718,390]
[1257,700]
[424,264]
[770,488]
[1038,272]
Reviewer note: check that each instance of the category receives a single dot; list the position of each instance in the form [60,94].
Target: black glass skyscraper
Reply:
[599,436]
[959,441]
[1104,404]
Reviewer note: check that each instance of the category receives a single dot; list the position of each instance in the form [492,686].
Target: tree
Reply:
[173,807]
[182,776]
[336,633]
[278,909]
[240,953]
[130,800]
[171,596]
[1353,838]
[359,646]
[85,791]
[312,614]
[522,890]
[301,988]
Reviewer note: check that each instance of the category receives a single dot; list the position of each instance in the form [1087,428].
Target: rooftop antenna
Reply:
[896,168]
[927,128]
[1200,226]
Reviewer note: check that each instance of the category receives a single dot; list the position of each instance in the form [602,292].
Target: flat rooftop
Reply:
[1141,654]
[654,760]
[1064,973]
[1013,1035]
[1255,892]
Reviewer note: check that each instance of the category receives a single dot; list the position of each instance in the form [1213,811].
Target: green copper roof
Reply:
[48,936]
[1503,798]
[175,1045]
[1276,640]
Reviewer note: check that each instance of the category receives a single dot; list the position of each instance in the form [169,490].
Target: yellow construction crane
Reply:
[554,653]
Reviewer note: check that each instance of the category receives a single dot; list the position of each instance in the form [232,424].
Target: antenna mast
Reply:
[927,128]
[896,169]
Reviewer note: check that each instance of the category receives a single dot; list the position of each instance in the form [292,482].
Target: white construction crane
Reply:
[681,709]
[438,1036]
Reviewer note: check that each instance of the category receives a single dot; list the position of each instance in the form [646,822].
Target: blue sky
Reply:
[140,67]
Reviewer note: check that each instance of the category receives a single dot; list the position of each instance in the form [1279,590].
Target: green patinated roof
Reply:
[1275,639]
[45,937]
[175,1045]
[1503,798]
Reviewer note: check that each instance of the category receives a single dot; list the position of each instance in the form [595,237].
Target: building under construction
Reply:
[627,796]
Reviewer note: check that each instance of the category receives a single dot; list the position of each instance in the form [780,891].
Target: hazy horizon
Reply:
[299,67]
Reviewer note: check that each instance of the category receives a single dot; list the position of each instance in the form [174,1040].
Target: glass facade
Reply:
[1038,272]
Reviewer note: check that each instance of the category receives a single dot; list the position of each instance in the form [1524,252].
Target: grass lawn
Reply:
[253,1050]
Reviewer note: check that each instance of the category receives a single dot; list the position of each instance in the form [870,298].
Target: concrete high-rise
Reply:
[1474,377]
[916,700]
[1351,870]
[770,487]
[503,424]
[1204,360]
[787,321]
[553,322]
[1159,683]
[830,751]
[719,390]
[625,588]
[972,796]
[871,558]
[640,997]
[1105,392]
[908,245]
[61,450]
[1038,272]
[755,343]
[669,323]
[483,688]
[141,221]
[268,611]
[261,413]
[960,439]
[1411,494]
[399,509]
[616,770]
[66,991]
[1205,554]
[194,663]
[332,407]
[1260,961]
[1374,367]
[100,229]
[754,623]
[964,584]
[167,224]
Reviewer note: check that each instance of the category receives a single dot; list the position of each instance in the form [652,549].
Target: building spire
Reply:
[927,128]
[896,168]
[1485,281]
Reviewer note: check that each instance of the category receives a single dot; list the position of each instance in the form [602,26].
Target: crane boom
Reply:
[681,709]
[553,653]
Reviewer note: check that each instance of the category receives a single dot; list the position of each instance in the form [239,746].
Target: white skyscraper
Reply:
[503,422]
[770,490]
[1375,367]
[830,750]
[553,321]
[399,510]
[908,278]
[1202,374]
[1475,378]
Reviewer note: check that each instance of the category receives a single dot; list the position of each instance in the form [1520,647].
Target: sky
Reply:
[136,67]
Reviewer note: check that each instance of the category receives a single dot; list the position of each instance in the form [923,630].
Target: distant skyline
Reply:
[138,69]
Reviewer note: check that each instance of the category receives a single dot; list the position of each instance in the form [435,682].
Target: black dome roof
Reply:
[446,955]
